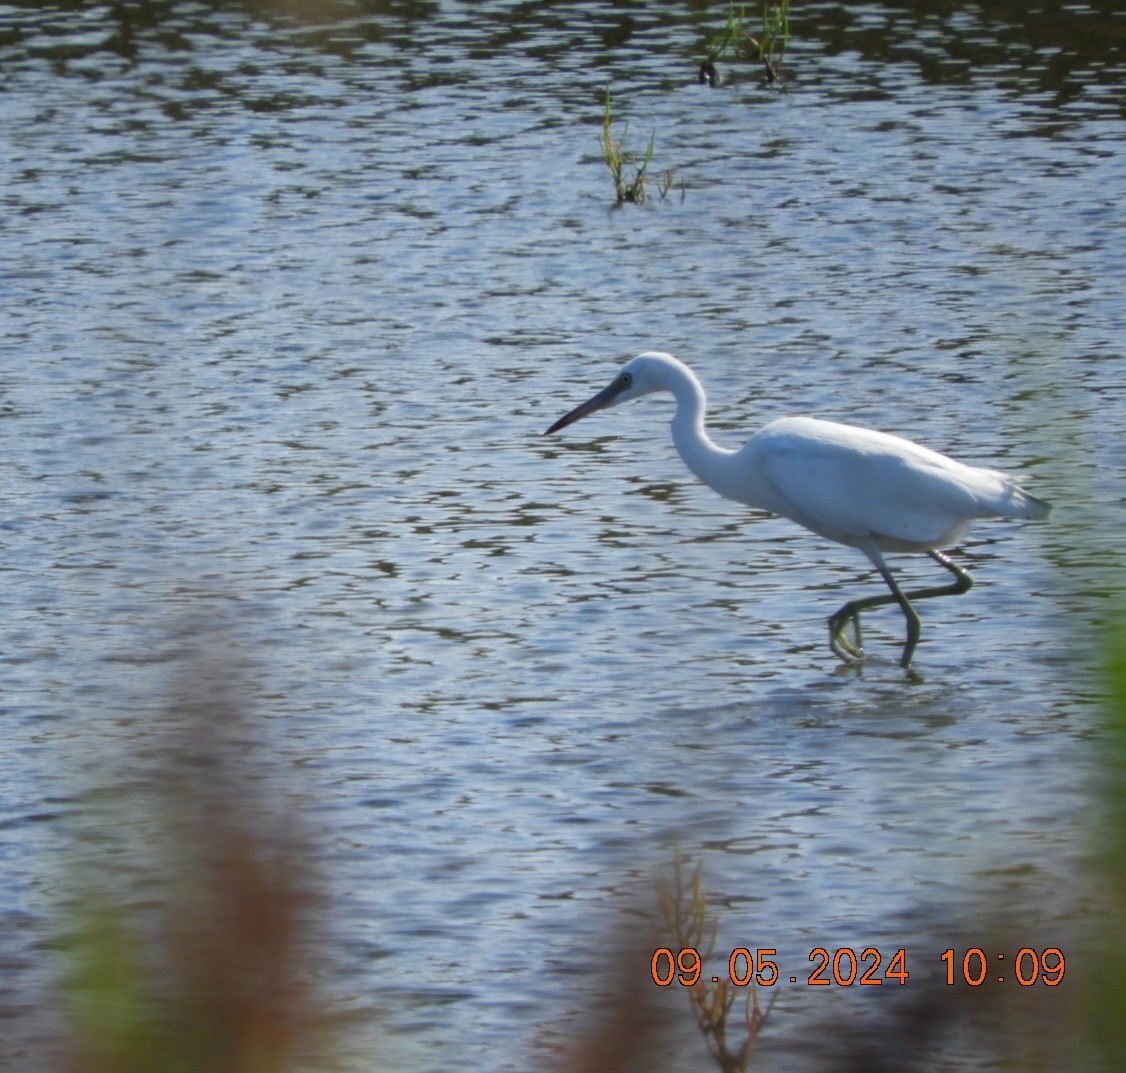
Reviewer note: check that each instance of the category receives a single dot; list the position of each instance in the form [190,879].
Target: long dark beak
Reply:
[600,401]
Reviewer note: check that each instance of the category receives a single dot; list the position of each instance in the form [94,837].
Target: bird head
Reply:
[641,376]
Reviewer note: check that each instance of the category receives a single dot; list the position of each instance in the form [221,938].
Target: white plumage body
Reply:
[865,488]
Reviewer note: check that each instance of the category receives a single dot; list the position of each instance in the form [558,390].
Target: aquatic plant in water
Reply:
[627,172]
[768,48]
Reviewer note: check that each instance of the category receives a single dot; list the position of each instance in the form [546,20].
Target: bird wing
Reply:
[866,488]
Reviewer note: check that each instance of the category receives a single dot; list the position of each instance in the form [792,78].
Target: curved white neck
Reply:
[706,459]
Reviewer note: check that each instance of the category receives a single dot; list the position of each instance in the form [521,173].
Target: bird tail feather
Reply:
[1022,504]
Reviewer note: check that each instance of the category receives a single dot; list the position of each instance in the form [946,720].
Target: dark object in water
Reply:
[707,75]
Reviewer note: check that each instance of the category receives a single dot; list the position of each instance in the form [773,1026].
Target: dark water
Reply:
[292,290]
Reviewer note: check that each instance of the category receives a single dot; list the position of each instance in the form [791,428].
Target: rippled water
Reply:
[291,295]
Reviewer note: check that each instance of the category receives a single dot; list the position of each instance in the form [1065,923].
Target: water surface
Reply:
[292,292]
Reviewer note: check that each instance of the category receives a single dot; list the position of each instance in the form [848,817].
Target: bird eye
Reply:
[625,379]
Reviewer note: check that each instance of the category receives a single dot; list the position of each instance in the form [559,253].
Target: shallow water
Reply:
[293,293]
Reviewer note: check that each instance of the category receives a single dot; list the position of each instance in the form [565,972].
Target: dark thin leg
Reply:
[851,611]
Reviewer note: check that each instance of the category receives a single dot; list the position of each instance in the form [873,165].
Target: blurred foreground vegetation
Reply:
[195,955]
[198,955]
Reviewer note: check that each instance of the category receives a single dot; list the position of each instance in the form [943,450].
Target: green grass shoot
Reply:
[629,173]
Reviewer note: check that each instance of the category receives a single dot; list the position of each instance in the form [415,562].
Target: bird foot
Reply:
[851,651]
[846,652]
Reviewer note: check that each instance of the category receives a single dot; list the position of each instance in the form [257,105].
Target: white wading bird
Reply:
[865,489]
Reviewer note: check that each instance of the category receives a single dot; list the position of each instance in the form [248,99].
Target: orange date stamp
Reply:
[844,967]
